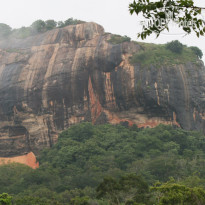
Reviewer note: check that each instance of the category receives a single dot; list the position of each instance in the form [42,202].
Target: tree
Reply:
[11,177]
[175,46]
[50,24]
[38,26]
[161,12]
[5,30]
[80,201]
[117,39]
[129,189]
[29,200]
[5,199]
[109,189]
[197,51]
[171,193]
[22,32]
[72,21]
[60,24]
[69,21]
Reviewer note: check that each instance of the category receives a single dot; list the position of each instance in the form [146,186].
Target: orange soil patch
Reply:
[28,159]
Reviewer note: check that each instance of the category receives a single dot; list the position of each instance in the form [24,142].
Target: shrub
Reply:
[117,39]
[38,26]
[5,30]
[72,21]
[197,51]
[5,199]
[175,46]
[50,24]
[21,33]
[159,55]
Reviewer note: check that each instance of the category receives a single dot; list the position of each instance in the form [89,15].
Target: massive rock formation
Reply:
[65,76]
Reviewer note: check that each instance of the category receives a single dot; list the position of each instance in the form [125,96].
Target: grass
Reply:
[117,39]
[158,55]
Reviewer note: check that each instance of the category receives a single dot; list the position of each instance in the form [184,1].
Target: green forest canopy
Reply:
[88,159]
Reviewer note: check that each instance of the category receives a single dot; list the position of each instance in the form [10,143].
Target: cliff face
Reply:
[65,76]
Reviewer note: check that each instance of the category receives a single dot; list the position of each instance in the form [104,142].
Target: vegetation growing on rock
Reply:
[5,30]
[117,39]
[197,51]
[175,46]
[39,26]
[161,55]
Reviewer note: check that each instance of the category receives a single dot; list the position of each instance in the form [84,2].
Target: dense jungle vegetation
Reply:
[112,164]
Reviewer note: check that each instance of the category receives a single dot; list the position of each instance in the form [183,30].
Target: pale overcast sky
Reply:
[113,15]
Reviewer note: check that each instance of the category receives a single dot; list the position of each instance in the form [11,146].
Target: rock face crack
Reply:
[65,76]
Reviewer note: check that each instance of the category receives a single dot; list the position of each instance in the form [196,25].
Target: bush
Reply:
[21,33]
[197,51]
[5,30]
[158,56]
[72,21]
[50,24]
[29,200]
[68,22]
[175,46]
[117,39]
[5,199]
[38,26]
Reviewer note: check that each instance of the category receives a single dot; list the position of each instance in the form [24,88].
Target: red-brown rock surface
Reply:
[65,76]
